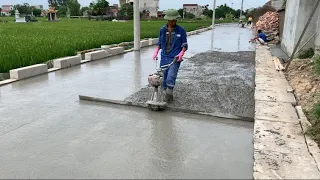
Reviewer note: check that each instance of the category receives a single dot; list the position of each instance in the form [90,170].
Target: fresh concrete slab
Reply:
[46,132]
[8,81]
[217,83]
[67,62]
[29,71]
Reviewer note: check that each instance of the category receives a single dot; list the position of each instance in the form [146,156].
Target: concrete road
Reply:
[45,132]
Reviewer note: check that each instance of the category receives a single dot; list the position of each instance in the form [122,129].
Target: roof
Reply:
[190,4]
[6,5]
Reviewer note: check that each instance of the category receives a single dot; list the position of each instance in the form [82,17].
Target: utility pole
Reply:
[241,10]
[136,29]
[213,19]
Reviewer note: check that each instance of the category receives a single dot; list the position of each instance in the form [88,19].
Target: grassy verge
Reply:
[24,44]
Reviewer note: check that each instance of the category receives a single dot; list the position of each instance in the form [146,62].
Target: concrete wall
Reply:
[290,24]
[297,15]
[317,39]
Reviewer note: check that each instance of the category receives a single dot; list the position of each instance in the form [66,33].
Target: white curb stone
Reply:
[116,51]
[144,43]
[67,62]
[29,71]
[96,55]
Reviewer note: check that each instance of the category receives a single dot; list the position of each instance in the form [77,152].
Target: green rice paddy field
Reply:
[24,44]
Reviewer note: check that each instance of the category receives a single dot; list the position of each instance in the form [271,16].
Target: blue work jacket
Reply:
[179,41]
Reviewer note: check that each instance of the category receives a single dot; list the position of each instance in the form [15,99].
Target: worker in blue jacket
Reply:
[173,44]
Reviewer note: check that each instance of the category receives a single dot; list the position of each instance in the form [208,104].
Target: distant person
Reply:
[173,44]
[250,20]
[261,38]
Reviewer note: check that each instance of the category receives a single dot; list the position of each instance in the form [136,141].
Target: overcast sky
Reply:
[164,4]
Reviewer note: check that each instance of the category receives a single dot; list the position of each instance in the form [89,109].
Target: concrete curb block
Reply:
[96,55]
[29,71]
[153,41]
[67,62]
[144,43]
[115,51]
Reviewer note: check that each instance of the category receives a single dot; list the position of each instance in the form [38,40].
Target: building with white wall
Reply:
[6,9]
[194,9]
[151,6]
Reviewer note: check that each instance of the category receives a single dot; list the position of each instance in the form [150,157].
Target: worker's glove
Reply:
[180,56]
[155,54]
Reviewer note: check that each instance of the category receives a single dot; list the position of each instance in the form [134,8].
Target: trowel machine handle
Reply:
[165,67]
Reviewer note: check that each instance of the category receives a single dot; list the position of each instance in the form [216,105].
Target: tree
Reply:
[74,7]
[180,12]
[36,12]
[63,5]
[83,9]
[189,16]
[100,7]
[126,11]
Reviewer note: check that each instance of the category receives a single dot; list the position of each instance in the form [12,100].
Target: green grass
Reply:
[314,130]
[308,53]
[24,44]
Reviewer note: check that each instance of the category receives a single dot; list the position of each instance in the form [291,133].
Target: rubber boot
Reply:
[169,95]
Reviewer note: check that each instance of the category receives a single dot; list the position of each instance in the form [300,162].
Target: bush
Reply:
[309,53]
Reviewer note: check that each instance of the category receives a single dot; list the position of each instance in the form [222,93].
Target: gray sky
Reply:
[164,4]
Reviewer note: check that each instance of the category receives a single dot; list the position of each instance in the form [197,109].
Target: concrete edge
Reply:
[85,60]
[261,168]
[311,144]
[168,108]
[7,81]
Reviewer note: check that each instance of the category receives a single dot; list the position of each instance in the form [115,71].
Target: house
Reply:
[113,10]
[6,9]
[194,9]
[149,6]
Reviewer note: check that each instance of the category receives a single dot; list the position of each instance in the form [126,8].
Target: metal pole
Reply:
[213,19]
[241,10]
[305,44]
[136,25]
[303,32]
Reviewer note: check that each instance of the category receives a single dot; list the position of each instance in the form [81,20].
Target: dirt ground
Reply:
[306,82]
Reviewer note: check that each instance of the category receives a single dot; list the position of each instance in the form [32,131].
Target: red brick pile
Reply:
[269,24]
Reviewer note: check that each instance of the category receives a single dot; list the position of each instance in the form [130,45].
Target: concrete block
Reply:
[274,95]
[67,62]
[153,41]
[96,55]
[277,165]
[144,43]
[28,71]
[275,111]
[116,50]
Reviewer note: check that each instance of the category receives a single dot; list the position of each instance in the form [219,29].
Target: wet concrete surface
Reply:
[219,83]
[45,132]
